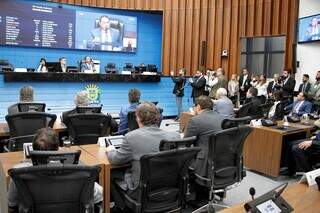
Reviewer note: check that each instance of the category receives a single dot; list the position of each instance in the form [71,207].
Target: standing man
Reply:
[274,85]
[288,85]
[221,83]
[198,84]
[314,93]
[178,90]
[244,84]
[305,85]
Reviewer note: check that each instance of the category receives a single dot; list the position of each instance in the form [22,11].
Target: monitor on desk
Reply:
[52,65]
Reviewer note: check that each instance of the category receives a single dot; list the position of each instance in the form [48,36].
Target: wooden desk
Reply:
[262,149]
[301,197]
[58,127]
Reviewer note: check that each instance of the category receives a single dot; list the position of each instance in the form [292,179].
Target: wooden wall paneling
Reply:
[131,4]
[188,37]
[275,24]
[140,4]
[174,34]
[284,16]
[251,17]
[166,42]
[267,17]
[181,34]
[93,3]
[85,2]
[291,36]
[100,3]
[218,34]
[124,4]
[195,35]
[243,18]
[108,3]
[226,34]
[234,53]
[258,30]
[203,29]
[210,33]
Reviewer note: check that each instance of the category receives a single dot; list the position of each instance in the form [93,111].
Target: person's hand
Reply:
[109,148]
[171,73]
[305,145]
[242,88]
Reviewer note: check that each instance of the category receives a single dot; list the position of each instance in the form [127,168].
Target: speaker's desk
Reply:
[301,197]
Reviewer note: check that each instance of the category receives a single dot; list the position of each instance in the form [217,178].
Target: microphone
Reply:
[252,192]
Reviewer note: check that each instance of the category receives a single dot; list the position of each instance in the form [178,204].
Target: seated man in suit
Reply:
[134,100]
[87,65]
[305,85]
[300,106]
[105,37]
[223,105]
[81,99]
[252,106]
[302,150]
[276,112]
[26,95]
[62,67]
[137,143]
[205,120]
[45,140]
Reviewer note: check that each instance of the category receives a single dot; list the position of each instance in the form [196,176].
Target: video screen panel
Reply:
[309,29]
[36,25]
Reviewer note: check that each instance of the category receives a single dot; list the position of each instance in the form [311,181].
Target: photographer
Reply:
[287,85]
[178,90]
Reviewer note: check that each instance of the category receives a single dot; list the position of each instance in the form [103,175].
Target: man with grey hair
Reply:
[80,99]
[26,95]
[144,140]
[223,105]
[221,83]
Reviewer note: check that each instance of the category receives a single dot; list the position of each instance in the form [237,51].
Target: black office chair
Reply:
[152,68]
[250,110]
[87,128]
[235,122]
[23,125]
[15,144]
[46,157]
[132,122]
[128,67]
[225,162]
[162,190]
[55,188]
[177,143]
[31,107]
[110,68]
[86,109]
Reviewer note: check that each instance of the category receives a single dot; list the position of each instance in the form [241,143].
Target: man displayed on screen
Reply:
[105,37]
[313,31]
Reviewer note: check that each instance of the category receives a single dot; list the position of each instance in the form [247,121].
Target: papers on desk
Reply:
[310,177]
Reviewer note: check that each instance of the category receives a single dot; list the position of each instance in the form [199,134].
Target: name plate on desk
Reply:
[310,177]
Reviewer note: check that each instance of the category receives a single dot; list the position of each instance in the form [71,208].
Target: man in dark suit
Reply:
[305,85]
[302,150]
[244,84]
[205,120]
[288,84]
[300,106]
[178,90]
[137,143]
[274,85]
[62,67]
[252,105]
[198,84]
[276,112]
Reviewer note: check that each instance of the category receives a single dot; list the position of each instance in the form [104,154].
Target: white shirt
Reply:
[273,109]
[244,80]
[262,89]
[297,107]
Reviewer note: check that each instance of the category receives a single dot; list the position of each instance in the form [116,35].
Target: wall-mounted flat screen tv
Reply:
[309,29]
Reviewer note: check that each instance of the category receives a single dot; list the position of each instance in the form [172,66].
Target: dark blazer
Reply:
[246,84]
[137,143]
[198,86]
[206,121]
[288,87]
[279,112]
[252,107]
[307,88]
[179,83]
[271,88]
[58,68]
